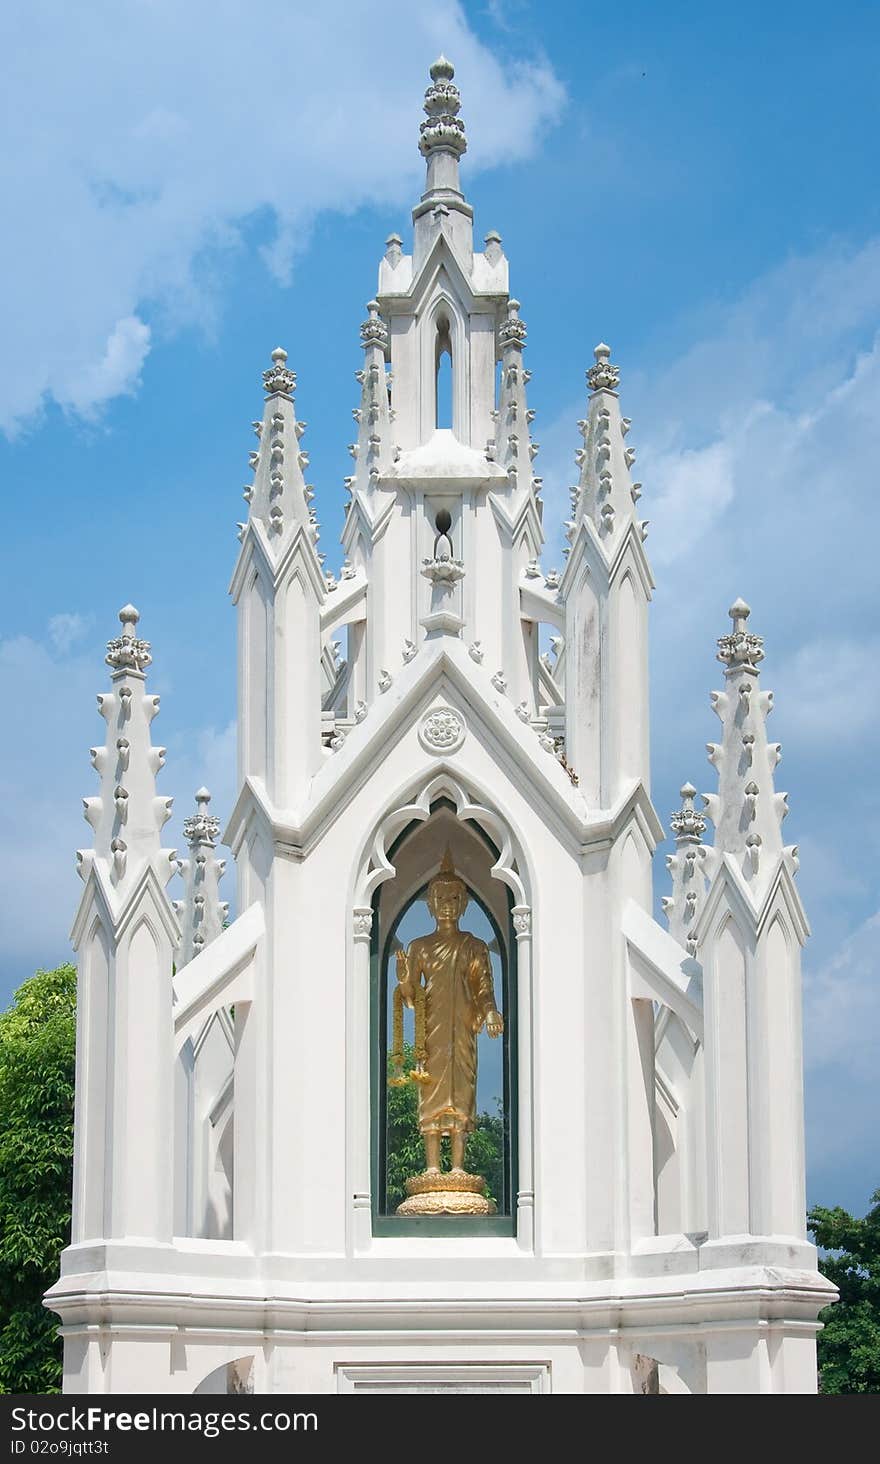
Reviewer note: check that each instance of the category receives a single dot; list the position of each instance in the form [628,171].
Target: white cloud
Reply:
[841,1040]
[143,138]
[68,628]
[118,371]
[842,1006]
[836,673]
[690,489]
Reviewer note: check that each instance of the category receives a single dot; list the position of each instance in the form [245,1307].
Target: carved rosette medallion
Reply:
[442,731]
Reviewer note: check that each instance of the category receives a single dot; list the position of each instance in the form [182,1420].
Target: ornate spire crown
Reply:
[740,650]
[126,652]
[604,376]
[201,912]
[512,331]
[442,128]
[374,331]
[747,811]
[127,814]
[687,822]
[201,827]
[279,378]
[688,869]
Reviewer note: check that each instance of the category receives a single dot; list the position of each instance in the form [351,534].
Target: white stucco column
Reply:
[525,1198]
[359,1230]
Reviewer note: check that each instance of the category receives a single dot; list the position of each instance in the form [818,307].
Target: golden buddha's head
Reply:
[447,894]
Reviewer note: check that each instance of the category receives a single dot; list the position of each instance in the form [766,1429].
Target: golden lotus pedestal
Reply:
[453,1192]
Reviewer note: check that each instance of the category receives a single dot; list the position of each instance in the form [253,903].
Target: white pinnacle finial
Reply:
[512,331]
[443,129]
[201,911]
[201,827]
[688,869]
[279,378]
[605,493]
[687,823]
[740,650]
[747,811]
[279,496]
[739,613]
[127,814]
[374,331]
[603,376]
[126,652]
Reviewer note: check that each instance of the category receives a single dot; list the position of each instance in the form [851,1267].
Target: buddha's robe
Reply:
[458,997]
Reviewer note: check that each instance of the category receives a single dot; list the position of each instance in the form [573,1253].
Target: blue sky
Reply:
[694,184]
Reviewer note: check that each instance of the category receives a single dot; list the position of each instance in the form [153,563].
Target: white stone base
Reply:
[746,1330]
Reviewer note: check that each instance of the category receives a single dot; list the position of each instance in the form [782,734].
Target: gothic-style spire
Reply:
[514,449]
[605,491]
[374,449]
[127,813]
[747,811]
[201,912]
[442,141]
[279,494]
[686,866]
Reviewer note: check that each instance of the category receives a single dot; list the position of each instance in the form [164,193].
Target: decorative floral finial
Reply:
[603,376]
[201,827]
[740,649]
[443,128]
[374,331]
[512,331]
[126,652]
[279,378]
[687,822]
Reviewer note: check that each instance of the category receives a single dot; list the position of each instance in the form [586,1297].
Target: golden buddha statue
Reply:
[446,977]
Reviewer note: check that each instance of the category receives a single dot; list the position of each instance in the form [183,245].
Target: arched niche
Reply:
[232,1377]
[444,344]
[400,914]
[443,409]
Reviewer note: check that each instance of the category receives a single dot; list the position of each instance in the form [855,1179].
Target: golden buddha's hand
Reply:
[494,1024]
[403,976]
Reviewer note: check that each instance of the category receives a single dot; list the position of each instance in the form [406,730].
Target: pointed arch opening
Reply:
[471,1086]
[443,385]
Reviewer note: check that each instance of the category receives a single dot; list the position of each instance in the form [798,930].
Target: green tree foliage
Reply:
[849,1345]
[37,1047]
[406,1153]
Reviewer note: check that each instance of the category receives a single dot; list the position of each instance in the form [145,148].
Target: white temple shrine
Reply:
[271,1110]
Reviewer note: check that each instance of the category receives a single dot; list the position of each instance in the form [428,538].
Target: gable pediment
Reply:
[428,281]
[443,676]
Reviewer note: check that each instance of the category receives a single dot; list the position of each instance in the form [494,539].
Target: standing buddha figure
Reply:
[447,978]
